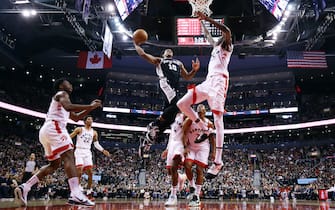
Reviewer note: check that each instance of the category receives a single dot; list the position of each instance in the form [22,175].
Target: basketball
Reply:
[140,36]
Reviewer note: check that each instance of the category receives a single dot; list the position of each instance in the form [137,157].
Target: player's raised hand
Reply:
[96,103]
[105,152]
[201,15]
[196,64]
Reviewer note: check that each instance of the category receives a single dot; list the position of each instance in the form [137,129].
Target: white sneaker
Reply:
[22,194]
[172,201]
[214,170]
[181,182]
[195,201]
[81,189]
[80,200]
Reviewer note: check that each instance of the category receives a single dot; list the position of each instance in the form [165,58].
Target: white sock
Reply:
[198,189]
[192,183]
[31,182]
[174,190]
[74,184]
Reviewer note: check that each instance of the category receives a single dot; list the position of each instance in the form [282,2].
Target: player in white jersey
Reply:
[174,155]
[213,89]
[86,135]
[57,144]
[197,153]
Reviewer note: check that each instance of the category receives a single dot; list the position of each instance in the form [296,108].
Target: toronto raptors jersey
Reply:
[85,138]
[57,113]
[177,129]
[193,134]
[218,64]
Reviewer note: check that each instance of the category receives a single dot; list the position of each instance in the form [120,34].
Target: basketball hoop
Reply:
[201,6]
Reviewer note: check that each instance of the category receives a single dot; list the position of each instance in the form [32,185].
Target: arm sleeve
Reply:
[98,146]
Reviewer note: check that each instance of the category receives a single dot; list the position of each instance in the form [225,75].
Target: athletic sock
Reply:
[192,183]
[174,190]
[31,182]
[218,155]
[74,185]
[198,189]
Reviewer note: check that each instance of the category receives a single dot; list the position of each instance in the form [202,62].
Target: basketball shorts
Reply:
[214,90]
[83,158]
[55,140]
[175,148]
[199,155]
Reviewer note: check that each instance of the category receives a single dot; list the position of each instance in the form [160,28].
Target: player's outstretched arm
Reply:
[207,34]
[98,146]
[63,98]
[75,132]
[187,75]
[80,115]
[218,25]
[148,57]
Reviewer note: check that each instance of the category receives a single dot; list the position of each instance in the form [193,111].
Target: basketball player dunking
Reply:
[57,143]
[169,71]
[197,154]
[213,89]
[85,137]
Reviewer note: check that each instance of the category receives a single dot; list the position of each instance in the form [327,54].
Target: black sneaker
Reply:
[152,132]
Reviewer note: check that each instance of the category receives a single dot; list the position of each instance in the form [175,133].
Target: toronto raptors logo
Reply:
[86,138]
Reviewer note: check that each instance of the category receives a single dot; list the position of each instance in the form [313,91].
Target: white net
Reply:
[201,6]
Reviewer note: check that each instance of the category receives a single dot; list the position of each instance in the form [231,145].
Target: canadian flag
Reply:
[93,60]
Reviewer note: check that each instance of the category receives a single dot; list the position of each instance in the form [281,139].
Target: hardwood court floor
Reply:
[125,204]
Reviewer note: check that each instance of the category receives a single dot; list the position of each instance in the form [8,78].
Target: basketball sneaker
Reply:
[22,194]
[190,195]
[152,131]
[172,201]
[214,170]
[195,201]
[80,200]
[89,194]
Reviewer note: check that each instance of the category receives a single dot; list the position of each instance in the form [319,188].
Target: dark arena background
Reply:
[279,148]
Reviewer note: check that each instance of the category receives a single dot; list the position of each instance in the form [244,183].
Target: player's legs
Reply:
[195,200]
[172,201]
[214,170]
[218,122]
[164,121]
[76,196]
[193,96]
[89,172]
[188,170]
[216,102]
[24,189]
[168,116]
